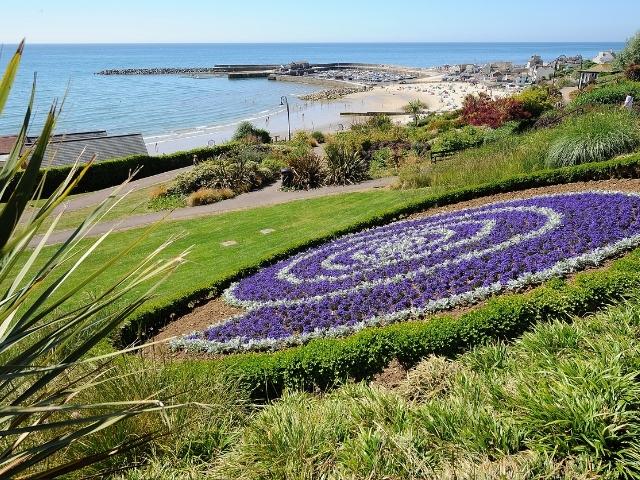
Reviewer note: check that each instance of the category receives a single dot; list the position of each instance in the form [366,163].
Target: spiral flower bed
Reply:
[411,268]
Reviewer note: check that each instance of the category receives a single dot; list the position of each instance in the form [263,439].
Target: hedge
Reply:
[113,172]
[155,315]
[323,364]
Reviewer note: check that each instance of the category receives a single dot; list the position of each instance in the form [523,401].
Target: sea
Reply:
[154,105]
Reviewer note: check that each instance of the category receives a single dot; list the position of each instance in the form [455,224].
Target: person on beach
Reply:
[628,102]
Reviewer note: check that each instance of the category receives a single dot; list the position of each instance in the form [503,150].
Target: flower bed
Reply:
[410,268]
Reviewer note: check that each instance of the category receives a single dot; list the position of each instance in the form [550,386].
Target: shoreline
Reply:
[328,115]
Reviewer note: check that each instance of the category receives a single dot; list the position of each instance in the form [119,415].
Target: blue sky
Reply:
[74,21]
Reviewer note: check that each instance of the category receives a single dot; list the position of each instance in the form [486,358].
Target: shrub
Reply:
[594,137]
[345,165]
[609,94]
[630,54]
[482,110]
[379,122]
[308,171]
[318,136]
[158,191]
[538,99]
[247,132]
[274,164]
[414,174]
[632,72]
[460,139]
[206,196]
[239,172]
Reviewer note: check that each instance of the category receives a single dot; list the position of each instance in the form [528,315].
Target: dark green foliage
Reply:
[345,165]
[632,72]
[318,137]
[247,132]
[327,362]
[113,172]
[308,171]
[459,139]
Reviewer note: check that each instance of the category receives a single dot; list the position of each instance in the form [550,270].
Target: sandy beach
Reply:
[328,116]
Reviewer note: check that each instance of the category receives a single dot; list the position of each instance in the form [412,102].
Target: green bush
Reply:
[459,139]
[318,136]
[630,54]
[308,171]
[239,172]
[608,94]
[247,132]
[538,99]
[414,175]
[594,137]
[345,165]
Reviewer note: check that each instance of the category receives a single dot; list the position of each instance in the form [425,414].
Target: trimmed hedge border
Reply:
[113,172]
[324,364]
[153,316]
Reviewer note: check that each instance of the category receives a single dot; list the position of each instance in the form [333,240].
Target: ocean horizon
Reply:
[155,105]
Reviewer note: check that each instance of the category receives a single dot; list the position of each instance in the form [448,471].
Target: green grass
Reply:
[561,402]
[294,223]
[504,158]
[596,136]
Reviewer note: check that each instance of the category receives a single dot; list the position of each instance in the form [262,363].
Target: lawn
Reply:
[293,224]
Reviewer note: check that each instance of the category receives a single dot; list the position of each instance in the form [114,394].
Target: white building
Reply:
[605,57]
[542,72]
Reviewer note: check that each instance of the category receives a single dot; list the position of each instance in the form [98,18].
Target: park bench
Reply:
[441,154]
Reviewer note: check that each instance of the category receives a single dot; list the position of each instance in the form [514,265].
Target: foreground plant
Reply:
[47,359]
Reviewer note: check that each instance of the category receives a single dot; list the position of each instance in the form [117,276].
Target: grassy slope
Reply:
[559,403]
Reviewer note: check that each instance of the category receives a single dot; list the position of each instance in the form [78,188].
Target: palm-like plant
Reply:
[415,108]
[46,348]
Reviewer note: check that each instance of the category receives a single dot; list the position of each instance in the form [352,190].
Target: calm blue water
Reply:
[162,104]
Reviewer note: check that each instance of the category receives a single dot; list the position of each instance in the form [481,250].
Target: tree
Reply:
[630,54]
[415,108]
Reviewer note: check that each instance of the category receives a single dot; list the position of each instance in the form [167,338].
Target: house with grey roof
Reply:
[65,149]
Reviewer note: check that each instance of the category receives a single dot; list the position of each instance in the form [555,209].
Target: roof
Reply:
[6,143]
[601,68]
[67,150]
[30,140]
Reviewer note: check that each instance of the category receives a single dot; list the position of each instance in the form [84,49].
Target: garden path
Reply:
[271,195]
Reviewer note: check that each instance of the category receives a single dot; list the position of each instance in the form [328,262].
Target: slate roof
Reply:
[65,150]
[6,144]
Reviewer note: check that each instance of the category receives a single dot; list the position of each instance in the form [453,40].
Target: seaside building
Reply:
[65,149]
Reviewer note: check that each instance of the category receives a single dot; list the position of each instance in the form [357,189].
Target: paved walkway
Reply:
[93,198]
[271,195]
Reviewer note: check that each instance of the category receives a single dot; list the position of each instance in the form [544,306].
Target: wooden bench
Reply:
[441,154]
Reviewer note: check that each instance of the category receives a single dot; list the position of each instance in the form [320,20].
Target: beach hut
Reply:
[591,75]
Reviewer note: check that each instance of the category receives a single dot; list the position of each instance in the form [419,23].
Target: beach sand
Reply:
[326,116]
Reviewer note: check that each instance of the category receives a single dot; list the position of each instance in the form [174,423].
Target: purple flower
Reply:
[437,262]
